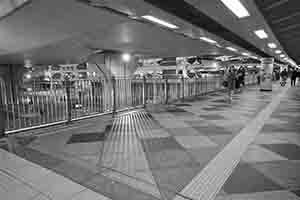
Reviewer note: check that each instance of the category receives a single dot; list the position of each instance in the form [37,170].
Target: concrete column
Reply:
[114,67]
[123,72]
[266,74]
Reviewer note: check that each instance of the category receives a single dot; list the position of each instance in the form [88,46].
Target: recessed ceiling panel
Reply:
[284,18]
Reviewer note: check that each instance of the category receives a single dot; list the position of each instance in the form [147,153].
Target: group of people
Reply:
[234,79]
[294,74]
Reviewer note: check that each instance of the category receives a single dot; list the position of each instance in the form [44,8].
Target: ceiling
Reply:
[69,31]
[283,17]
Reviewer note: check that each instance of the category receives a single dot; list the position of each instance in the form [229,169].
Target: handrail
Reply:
[95,96]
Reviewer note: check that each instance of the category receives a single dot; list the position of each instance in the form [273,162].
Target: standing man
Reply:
[293,77]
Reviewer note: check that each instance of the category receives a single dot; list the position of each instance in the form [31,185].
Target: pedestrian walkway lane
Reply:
[186,150]
[269,169]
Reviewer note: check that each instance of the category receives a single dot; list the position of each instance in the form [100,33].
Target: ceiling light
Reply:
[208,40]
[282,55]
[272,45]
[231,48]
[236,7]
[126,57]
[159,21]
[261,34]
[245,54]
[278,51]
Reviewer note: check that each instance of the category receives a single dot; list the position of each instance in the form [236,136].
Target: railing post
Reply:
[182,88]
[166,91]
[69,103]
[195,86]
[114,97]
[144,92]
[2,119]
[206,85]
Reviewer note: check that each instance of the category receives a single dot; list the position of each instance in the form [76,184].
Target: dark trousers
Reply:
[293,81]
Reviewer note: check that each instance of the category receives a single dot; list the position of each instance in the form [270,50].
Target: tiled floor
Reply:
[155,154]
[270,168]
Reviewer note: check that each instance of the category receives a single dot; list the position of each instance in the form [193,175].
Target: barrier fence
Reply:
[71,100]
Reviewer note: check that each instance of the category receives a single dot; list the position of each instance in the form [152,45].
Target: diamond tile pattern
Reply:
[290,151]
[246,179]
[86,138]
[274,156]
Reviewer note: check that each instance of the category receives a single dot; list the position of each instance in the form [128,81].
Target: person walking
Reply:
[284,75]
[230,77]
[243,74]
[293,77]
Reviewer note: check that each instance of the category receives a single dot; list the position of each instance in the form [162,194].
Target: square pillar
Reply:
[266,74]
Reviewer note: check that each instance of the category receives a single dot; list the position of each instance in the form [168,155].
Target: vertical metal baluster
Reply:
[92,93]
[19,112]
[102,100]
[56,106]
[39,108]
[107,104]
[13,121]
[89,87]
[83,97]
[43,109]
[47,115]
[34,105]
[24,111]
[99,96]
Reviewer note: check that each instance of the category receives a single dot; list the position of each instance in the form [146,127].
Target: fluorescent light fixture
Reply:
[231,48]
[126,57]
[282,55]
[208,40]
[261,34]
[272,45]
[236,7]
[245,54]
[159,21]
[278,52]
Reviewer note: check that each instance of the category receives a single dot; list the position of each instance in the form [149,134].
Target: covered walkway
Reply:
[202,148]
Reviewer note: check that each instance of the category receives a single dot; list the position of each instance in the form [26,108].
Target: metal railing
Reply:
[67,101]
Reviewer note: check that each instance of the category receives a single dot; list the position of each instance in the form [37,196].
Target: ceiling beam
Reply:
[288,28]
[282,19]
[276,4]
